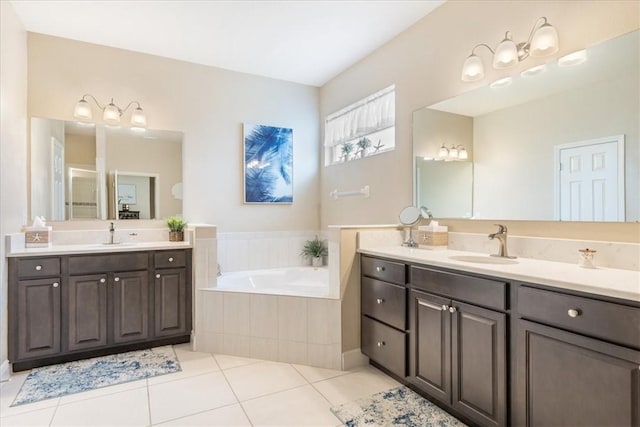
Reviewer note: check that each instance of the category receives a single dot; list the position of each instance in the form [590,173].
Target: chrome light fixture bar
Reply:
[111,113]
[542,41]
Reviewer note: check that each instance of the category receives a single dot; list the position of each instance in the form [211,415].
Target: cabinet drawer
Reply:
[38,267]
[384,301]
[485,292]
[384,345]
[169,259]
[92,264]
[610,321]
[383,270]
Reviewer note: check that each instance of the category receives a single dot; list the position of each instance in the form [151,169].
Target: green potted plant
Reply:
[176,228]
[315,250]
[363,143]
[347,149]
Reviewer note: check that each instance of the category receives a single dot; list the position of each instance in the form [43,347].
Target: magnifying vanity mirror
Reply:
[82,171]
[409,217]
[560,145]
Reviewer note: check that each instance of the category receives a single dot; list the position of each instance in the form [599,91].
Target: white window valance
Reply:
[374,113]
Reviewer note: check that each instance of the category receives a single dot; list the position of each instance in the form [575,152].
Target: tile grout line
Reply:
[149,400]
[195,413]
[236,396]
[55,411]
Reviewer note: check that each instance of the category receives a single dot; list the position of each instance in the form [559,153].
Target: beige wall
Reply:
[425,63]
[42,130]
[13,143]
[79,150]
[208,104]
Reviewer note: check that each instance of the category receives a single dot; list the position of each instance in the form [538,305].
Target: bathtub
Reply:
[287,315]
[295,281]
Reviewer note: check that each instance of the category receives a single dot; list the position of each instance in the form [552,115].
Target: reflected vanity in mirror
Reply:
[559,145]
[82,171]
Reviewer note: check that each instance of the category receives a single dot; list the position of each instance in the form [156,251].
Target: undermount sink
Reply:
[117,244]
[483,259]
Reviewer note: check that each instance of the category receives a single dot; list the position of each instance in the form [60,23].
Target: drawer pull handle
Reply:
[379,269]
[379,300]
[157,276]
[56,284]
[171,259]
[38,267]
[452,310]
[103,280]
[117,279]
[381,343]
[573,312]
[445,307]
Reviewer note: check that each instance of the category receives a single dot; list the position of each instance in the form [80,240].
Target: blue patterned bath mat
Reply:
[83,375]
[396,407]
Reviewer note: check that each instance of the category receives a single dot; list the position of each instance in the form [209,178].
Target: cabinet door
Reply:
[87,314]
[570,380]
[430,345]
[38,318]
[170,302]
[478,356]
[130,306]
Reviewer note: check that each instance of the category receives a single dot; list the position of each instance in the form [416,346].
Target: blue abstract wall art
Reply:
[268,164]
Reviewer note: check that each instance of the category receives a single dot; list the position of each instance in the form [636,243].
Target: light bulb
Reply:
[544,41]
[472,69]
[82,110]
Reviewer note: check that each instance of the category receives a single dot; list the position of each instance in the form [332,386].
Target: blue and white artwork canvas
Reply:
[268,164]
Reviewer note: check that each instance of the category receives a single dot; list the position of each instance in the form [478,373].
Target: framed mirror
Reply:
[83,171]
[559,145]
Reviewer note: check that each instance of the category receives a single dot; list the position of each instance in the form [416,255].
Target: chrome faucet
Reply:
[112,232]
[501,235]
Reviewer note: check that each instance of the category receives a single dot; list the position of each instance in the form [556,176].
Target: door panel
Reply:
[130,306]
[87,321]
[170,302]
[39,317]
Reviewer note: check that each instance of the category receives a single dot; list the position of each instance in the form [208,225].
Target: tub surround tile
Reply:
[264,348]
[324,355]
[302,406]
[323,321]
[292,319]
[212,309]
[196,394]
[264,316]
[210,342]
[263,378]
[237,345]
[292,352]
[237,313]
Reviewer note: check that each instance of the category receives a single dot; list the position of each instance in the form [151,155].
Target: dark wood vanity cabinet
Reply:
[578,360]
[457,350]
[76,306]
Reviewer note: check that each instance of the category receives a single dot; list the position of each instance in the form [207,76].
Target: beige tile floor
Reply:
[211,390]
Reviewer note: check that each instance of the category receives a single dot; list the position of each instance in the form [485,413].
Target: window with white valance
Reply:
[363,128]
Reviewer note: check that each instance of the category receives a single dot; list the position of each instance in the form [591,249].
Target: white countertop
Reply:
[609,282]
[96,248]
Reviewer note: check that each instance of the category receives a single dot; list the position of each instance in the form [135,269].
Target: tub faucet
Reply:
[501,235]
[112,231]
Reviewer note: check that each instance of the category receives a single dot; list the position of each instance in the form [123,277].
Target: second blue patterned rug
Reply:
[74,377]
[396,407]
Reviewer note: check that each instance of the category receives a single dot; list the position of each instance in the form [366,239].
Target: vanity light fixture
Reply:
[456,152]
[111,113]
[542,41]
[575,58]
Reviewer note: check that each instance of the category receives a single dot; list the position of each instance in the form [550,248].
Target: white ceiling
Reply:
[306,42]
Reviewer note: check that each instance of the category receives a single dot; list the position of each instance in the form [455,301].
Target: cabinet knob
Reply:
[381,343]
[445,307]
[452,310]
[573,312]
[157,276]
[103,280]
[379,269]
[56,284]
[170,259]
[379,300]
[117,279]
[38,267]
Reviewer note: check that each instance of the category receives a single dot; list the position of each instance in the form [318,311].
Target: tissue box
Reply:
[432,239]
[37,237]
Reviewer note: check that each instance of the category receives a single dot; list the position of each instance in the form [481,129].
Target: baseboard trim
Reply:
[353,359]
[5,371]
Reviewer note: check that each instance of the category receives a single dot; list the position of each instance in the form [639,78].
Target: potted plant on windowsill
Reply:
[315,250]
[176,228]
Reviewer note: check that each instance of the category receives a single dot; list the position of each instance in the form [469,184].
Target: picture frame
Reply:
[268,164]
[127,194]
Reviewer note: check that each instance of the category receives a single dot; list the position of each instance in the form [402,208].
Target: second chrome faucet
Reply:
[501,235]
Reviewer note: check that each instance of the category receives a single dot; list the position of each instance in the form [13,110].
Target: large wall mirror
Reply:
[82,171]
[560,145]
